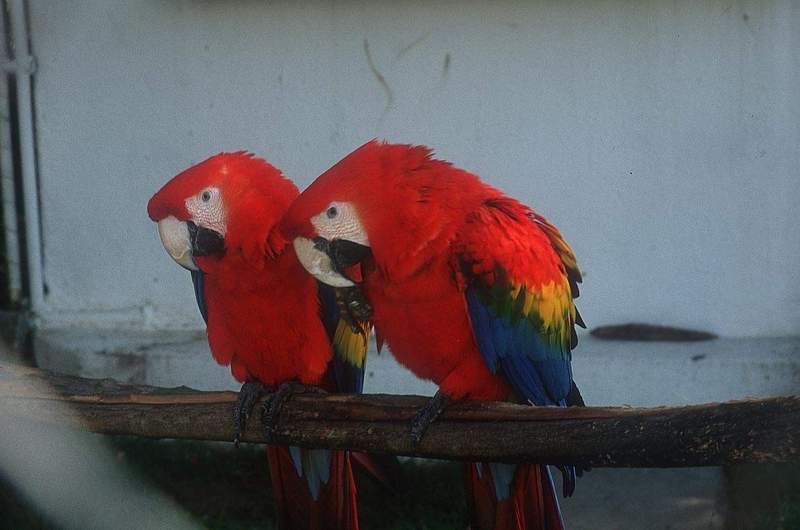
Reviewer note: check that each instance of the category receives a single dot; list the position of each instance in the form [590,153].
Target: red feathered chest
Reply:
[424,321]
[264,320]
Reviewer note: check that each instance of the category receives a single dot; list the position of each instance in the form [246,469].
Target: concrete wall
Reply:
[662,137]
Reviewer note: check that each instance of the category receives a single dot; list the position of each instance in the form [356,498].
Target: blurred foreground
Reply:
[229,489]
[225,488]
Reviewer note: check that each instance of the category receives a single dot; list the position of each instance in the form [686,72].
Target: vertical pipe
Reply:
[10,228]
[30,189]
[7,188]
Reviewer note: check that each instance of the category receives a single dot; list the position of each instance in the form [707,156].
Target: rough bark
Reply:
[756,430]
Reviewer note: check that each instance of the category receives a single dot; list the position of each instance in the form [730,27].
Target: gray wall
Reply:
[662,137]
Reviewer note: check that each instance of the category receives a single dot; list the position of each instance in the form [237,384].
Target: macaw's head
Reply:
[391,203]
[224,205]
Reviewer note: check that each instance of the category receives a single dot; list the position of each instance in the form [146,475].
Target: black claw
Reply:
[271,410]
[568,474]
[353,307]
[571,473]
[426,415]
[248,396]
[575,399]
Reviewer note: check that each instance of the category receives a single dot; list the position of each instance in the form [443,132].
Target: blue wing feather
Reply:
[539,372]
[198,280]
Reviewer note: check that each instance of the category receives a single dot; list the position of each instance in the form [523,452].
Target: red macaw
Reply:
[266,318]
[470,289]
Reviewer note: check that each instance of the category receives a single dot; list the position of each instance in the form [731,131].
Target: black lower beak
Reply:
[343,253]
[205,242]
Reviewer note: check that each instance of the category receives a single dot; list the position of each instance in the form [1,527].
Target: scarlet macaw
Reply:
[470,289]
[266,318]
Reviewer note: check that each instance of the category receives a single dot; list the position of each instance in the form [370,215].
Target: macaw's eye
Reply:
[332,212]
[205,196]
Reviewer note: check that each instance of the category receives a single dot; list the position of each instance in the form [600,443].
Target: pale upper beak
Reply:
[175,238]
[317,262]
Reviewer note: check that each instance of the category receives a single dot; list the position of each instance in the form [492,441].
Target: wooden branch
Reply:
[763,430]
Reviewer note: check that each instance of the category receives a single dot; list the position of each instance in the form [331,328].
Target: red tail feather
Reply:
[383,469]
[334,509]
[531,504]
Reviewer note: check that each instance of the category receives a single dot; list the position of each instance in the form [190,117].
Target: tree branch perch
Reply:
[757,430]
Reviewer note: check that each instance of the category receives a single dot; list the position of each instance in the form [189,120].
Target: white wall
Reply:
[662,137]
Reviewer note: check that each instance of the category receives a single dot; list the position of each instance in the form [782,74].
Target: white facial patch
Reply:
[340,221]
[175,238]
[318,264]
[207,210]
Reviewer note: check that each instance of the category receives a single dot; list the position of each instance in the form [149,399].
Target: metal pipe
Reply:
[7,187]
[30,189]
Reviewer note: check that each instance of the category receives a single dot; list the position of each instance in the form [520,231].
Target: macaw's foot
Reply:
[353,307]
[573,399]
[272,406]
[568,473]
[426,416]
[248,396]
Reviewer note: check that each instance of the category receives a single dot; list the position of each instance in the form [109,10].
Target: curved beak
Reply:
[174,236]
[185,240]
[328,261]
[344,255]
